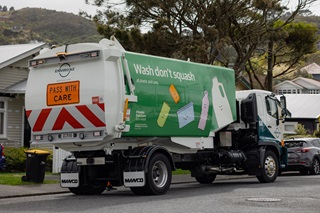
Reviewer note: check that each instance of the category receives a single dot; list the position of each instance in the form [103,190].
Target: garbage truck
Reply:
[130,119]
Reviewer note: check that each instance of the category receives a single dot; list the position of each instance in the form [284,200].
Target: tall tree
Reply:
[287,47]
[203,30]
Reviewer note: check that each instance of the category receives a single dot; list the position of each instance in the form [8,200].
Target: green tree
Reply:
[201,30]
[290,45]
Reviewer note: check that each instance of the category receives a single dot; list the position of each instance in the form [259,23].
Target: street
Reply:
[290,193]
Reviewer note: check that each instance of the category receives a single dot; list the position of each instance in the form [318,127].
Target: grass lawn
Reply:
[8,178]
[11,178]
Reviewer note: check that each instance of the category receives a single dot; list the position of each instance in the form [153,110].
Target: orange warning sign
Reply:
[63,93]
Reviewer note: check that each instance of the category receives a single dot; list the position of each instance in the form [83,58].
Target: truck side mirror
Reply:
[283,105]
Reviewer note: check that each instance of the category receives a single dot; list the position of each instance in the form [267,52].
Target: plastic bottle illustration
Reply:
[221,106]
[163,114]
[174,93]
[204,111]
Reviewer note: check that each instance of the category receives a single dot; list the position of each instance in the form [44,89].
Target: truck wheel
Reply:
[93,188]
[269,169]
[75,190]
[206,179]
[158,178]
[315,168]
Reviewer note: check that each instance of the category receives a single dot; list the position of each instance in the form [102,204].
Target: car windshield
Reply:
[291,144]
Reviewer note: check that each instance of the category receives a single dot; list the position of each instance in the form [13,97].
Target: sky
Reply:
[71,6]
[74,6]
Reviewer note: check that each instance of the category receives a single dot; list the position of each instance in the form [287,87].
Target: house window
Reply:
[3,121]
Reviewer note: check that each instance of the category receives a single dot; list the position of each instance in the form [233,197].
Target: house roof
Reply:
[18,88]
[289,82]
[309,81]
[303,105]
[10,54]
[312,68]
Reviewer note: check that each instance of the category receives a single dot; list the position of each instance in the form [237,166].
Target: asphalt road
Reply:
[290,193]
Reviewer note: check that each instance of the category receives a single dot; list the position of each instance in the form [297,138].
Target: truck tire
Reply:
[269,169]
[207,179]
[93,188]
[158,177]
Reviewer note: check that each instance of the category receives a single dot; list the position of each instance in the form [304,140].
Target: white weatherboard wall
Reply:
[57,159]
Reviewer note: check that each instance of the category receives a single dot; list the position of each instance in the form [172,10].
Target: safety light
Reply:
[34,63]
[97,133]
[38,137]
[94,54]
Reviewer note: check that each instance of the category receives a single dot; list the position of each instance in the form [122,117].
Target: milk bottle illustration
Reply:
[221,106]
[204,111]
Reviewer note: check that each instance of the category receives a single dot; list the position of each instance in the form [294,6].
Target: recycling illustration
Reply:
[179,98]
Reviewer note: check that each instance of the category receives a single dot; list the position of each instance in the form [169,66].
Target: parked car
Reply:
[2,158]
[303,155]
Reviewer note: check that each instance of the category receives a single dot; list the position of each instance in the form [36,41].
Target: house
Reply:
[14,128]
[305,110]
[298,85]
[313,69]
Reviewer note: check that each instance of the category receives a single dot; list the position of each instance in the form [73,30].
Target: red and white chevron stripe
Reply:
[67,118]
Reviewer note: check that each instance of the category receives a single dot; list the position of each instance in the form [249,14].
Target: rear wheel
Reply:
[269,169]
[206,179]
[158,178]
[315,169]
[92,188]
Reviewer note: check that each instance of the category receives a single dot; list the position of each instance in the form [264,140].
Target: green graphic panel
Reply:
[179,98]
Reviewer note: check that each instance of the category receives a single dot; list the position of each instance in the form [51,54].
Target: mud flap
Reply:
[69,176]
[134,179]
[69,180]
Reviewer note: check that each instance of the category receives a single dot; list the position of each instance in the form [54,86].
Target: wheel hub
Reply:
[270,166]
[159,174]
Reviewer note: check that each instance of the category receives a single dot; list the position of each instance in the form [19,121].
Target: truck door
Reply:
[273,128]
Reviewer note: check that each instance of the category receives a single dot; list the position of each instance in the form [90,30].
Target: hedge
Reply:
[16,159]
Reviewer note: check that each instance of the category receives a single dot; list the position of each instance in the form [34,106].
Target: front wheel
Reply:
[158,177]
[269,169]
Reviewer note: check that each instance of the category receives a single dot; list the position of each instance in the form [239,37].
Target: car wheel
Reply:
[315,169]
[304,171]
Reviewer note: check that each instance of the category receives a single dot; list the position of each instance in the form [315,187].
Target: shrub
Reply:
[300,130]
[317,133]
[16,159]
